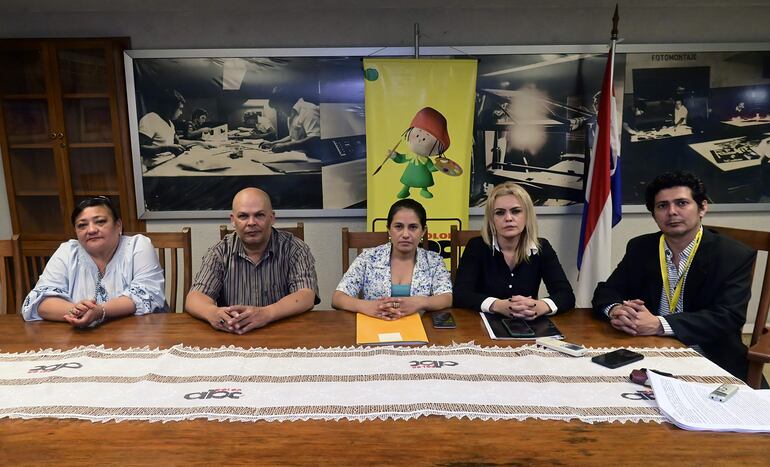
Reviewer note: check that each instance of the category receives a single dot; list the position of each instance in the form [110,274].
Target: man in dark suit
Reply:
[684,281]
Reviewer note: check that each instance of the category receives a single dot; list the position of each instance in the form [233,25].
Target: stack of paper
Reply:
[688,406]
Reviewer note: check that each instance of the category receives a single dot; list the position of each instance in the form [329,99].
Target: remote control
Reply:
[561,346]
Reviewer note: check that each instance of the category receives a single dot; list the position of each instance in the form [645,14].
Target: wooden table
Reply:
[425,441]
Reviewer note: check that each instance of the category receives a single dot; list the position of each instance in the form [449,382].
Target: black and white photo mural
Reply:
[534,117]
[205,124]
[207,127]
[706,112]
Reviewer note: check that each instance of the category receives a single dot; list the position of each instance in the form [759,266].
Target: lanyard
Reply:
[673,299]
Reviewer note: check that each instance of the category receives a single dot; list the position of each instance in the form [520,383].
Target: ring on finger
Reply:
[222,321]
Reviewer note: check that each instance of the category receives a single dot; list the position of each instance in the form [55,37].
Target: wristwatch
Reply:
[609,309]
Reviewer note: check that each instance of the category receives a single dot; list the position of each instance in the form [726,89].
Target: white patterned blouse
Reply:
[369,275]
[71,274]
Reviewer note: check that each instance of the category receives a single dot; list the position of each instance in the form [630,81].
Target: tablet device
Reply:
[517,327]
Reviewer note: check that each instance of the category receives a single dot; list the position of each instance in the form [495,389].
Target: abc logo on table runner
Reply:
[431,363]
[223,393]
[639,396]
[58,366]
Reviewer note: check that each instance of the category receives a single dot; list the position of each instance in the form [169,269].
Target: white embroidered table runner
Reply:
[229,383]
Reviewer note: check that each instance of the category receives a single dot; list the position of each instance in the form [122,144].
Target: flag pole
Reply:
[601,208]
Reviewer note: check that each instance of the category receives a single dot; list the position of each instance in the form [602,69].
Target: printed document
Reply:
[688,406]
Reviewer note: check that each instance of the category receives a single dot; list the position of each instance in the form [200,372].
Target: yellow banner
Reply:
[419,131]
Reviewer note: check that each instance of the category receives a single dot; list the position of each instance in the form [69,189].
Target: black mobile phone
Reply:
[443,320]
[617,358]
[517,327]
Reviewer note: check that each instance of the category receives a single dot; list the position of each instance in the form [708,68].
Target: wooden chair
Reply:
[34,255]
[173,243]
[10,275]
[759,350]
[458,239]
[361,240]
[298,231]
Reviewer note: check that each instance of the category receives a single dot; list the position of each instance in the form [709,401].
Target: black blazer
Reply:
[716,294]
[482,274]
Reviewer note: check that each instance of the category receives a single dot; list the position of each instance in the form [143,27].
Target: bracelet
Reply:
[100,320]
[104,314]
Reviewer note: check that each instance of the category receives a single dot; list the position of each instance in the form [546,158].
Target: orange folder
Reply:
[403,331]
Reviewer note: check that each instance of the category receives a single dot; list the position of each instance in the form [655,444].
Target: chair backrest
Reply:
[298,231]
[171,244]
[361,240]
[759,241]
[10,276]
[34,256]
[458,239]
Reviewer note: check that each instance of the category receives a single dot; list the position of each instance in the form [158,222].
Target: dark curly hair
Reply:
[675,179]
[197,113]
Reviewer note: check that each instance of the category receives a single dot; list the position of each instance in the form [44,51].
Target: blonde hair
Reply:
[528,237]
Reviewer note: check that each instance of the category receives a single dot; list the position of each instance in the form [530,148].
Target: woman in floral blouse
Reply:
[398,278]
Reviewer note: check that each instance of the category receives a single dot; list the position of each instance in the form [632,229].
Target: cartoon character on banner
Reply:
[427,136]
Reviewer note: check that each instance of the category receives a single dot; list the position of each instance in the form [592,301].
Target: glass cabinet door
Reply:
[63,130]
[89,116]
[31,141]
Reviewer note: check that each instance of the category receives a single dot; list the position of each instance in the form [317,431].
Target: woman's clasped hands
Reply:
[84,313]
[392,308]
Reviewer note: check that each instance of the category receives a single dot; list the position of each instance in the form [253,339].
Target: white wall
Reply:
[159,24]
[163,24]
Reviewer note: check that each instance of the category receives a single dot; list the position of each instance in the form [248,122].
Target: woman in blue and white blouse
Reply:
[101,275]
[398,278]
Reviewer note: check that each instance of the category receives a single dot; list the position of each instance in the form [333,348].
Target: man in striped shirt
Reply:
[684,281]
[255,275]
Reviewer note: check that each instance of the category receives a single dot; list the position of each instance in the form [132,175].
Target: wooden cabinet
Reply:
[63,131]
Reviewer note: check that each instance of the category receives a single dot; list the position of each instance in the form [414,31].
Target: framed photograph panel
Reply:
[206,123]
